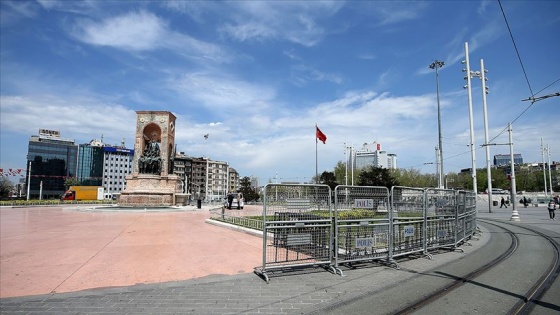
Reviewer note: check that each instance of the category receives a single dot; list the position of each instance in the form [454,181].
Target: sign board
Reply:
[363,203]
[408,230]
[47,132]
[365,242]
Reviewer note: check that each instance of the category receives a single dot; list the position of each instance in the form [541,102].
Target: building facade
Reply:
[90,163]
[371,155]
[104,165]
[117,164]
[504,159]
[205,179]
[50,159]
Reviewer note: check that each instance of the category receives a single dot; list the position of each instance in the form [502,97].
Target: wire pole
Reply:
[514,213]
[473,155]
[488,171]
[29,180]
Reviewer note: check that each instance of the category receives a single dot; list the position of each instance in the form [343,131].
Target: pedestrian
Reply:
[503,203]
[229,200]
[525,202]
[551,208]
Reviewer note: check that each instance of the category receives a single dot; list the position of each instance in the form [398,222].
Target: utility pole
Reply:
[543,166]
[468,86]
[482,75]
[549,175]
[28,180]
[436,65]
[514,214]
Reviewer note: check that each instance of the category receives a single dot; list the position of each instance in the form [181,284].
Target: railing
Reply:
[367,223]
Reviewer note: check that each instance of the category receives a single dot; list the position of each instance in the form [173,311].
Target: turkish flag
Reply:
[320,135]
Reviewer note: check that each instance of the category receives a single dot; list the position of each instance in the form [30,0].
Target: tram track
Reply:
[534,295]
[525,302]
[511,274]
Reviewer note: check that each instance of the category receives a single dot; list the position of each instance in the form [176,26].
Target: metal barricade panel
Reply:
[361,224]
[408,208]
[470,211]
[297,228]
[441,216]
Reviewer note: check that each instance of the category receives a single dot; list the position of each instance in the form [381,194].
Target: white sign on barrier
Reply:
[409,230]
[363,203]
[365,242]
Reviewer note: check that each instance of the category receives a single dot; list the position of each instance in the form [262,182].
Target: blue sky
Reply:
[258,75]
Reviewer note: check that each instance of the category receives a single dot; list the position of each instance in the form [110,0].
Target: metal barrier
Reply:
[408,220]
[466,215]
[441,218]
[367,223]
[361,221]
[297,227]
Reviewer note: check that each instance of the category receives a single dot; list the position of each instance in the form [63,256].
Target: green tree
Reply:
[329,179]
[340,172]
[413,178]
[6,187]
[71,181]
[249,192]
[376,176]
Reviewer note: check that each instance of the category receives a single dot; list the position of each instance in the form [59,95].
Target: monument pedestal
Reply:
[148,190]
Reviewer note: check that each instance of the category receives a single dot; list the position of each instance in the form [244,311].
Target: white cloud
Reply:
[222,94]
[80,117]
[297,22]
[145,31]
[133,31]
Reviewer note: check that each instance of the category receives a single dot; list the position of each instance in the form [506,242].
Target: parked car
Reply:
[237,201]
[498,191]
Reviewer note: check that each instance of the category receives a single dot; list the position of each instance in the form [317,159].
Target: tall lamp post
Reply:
[436,65]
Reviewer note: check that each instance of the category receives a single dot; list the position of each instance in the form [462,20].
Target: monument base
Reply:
[147,190]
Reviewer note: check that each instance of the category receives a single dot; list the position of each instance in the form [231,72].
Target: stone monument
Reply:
[152,183]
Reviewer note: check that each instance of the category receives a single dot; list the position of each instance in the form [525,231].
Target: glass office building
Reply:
[90,163]
[53,159]
[505,159]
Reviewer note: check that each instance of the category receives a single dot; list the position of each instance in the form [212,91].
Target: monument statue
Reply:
[152,182]
[150,161]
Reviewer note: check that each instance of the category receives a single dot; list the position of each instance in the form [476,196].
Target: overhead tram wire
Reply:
[516,50]
[524,73]
[532,98]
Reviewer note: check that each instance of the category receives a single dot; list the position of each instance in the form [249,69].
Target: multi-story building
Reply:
[90,163]
[372,155]
[198,183]
[391,161]
[505,159]
[52,159]
[104,165]
[205,179]
[117,164]
[233,180]
[217,180]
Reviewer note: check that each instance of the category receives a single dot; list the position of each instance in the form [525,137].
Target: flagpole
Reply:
[316,158]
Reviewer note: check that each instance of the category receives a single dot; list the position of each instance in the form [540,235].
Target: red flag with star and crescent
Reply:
[320,135]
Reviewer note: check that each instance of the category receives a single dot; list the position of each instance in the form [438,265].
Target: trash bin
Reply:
[494,203]
[199,203]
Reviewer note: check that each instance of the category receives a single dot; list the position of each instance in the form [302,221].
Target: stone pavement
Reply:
[56,261]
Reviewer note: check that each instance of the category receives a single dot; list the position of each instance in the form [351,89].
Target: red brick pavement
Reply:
[55,249]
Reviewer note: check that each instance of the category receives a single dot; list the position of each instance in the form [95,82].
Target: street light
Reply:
[436,65]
